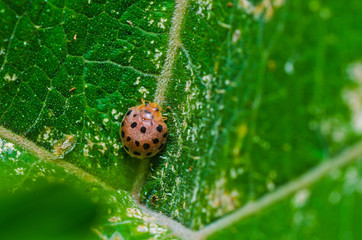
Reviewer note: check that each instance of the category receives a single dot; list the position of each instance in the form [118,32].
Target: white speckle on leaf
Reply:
[46,133]
[334,128]
[233,173]
[142,228]
[270,185]
[189,67]
[137,81]
[236,35]
[19,171]
[289,67]
[207,81]
[86,151]
[188,85]
[115,115]
[161,23]
[246,4]
[114,219]
[353,95]
[354,71]
[158,54]
[222,200]
[205,6]
[134,212]
[9,146]
[143,91]
[265,8]
[353,181]
[9,78]
[301,198]
[103,148]
[155,229]
[224,25]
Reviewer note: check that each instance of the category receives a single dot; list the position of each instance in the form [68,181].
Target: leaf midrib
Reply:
[163,80]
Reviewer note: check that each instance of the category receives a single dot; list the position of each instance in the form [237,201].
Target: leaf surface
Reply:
[256,93]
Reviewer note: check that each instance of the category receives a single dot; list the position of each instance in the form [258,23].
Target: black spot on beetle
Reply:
[136,153]
[122,123]
[149,154]
[159,128]
[133,125]
[134,115]
[143,130]
[122,134]
[155,141]
[161,146]
[157,109]
[146,111]
[165,135]
[126,148]
[137,143]
[146,146]
[128,138]
[129,112]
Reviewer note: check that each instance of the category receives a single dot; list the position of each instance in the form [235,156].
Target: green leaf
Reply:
[327,211]
[258,95]
[32,192]
[74,68]
[51,212]
[262,101]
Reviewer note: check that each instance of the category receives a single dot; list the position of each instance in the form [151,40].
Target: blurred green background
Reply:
[49,212]
[260,93]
